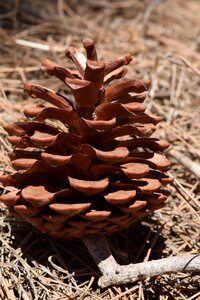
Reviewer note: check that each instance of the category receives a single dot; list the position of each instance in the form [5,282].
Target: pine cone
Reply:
[98,172]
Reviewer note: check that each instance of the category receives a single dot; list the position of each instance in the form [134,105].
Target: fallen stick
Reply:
[113,273]
[44,47]
[186,162]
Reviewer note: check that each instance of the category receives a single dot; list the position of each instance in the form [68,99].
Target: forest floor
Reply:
[164,39]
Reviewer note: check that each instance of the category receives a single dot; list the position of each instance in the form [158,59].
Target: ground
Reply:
[164,39]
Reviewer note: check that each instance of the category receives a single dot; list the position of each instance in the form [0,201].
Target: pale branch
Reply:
[99,249]
[192,166]
[113,273]
[134,272]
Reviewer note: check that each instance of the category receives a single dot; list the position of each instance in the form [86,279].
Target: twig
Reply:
[113,273]
[18,69]
[188,64]
[99,249]
[178,186]
[150,8]
[186,162]
[40,46]
[180,61]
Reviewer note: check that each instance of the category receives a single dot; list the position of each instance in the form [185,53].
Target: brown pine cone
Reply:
[98,172]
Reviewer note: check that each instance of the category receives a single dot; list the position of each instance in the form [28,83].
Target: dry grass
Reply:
[164,38]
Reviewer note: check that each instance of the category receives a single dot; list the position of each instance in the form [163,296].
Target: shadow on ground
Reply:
[128,246]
